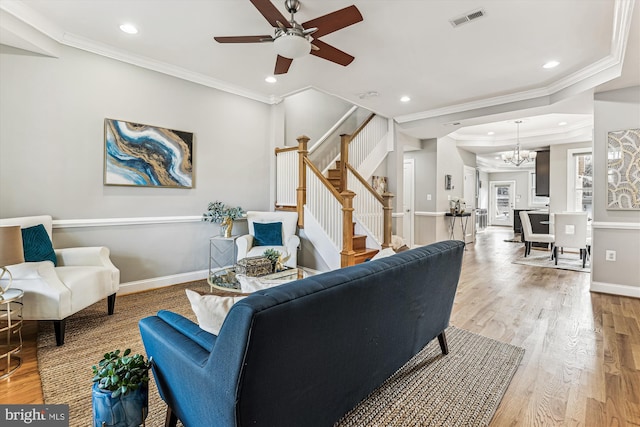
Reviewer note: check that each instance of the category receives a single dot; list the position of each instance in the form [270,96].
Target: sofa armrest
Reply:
[32,270]
[244,243]
[189,329]
[292,243]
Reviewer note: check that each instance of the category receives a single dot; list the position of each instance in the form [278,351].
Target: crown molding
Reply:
[590,76]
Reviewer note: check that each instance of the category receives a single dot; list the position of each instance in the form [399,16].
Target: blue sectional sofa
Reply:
[306,352]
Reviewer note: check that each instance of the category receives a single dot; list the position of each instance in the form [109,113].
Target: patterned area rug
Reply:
[566,261]
[463,388]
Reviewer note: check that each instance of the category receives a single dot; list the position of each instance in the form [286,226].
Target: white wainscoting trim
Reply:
[161,282]
[616,225]
[397,215]
[107,222]
[612,288]
[418,213]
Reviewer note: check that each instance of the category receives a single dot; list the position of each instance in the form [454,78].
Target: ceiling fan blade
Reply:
[270,12]
[331,53]
[334,21]
[282,65]
[244,39]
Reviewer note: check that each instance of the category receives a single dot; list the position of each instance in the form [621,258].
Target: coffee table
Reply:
[226,279]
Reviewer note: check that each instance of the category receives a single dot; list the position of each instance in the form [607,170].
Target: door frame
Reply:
[491,212]
[410,198]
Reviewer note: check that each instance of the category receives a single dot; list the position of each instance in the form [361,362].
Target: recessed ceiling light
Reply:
[270,79]
[405,99]
[562,123]
[491,133]
[129,28]
[551,64]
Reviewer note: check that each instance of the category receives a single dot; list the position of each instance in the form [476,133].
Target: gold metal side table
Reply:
[10,331]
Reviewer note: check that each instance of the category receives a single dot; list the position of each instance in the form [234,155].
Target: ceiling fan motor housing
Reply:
[292,5]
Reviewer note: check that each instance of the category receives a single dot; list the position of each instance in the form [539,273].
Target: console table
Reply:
[464,219]
[10,331]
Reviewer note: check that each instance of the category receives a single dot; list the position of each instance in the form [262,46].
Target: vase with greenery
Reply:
[120,395]
[273,256]
[222,214]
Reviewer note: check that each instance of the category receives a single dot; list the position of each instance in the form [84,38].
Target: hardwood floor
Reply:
[582,361]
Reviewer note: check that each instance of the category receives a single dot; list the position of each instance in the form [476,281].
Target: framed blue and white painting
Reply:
[147,156]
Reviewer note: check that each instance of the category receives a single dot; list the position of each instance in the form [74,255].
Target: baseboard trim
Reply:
[614,289]
[161,282]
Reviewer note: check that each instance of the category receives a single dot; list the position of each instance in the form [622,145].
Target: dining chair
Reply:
[570,230]
[531,237]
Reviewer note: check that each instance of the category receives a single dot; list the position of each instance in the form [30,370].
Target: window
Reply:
[536,201]
[580,181]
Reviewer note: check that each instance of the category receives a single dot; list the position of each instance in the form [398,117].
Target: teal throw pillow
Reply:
[267,234]
[37,245]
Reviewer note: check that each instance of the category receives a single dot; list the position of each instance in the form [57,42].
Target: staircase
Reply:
[343,231]
[362,253]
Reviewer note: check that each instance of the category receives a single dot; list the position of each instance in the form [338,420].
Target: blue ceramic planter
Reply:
[129,410]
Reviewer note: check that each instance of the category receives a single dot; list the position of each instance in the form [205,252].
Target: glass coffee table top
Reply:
[226,279]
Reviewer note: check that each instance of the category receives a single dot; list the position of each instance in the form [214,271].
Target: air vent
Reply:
[468,17]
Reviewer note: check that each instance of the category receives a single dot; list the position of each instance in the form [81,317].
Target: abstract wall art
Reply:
[147,156]
[623,169]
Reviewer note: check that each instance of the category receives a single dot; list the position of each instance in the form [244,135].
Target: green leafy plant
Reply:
[121,374]
[272,255]
[218,212]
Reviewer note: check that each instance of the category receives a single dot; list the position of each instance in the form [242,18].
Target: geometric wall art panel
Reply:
[147,156]
[623,169]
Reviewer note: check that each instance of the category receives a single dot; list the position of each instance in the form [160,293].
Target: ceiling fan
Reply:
[293,40]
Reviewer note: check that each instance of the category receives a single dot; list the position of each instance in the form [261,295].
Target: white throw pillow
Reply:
[384,253]
[210,310]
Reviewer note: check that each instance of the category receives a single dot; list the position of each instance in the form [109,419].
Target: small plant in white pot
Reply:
[120,395]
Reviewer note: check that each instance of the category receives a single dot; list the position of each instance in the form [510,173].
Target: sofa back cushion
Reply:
[318,346]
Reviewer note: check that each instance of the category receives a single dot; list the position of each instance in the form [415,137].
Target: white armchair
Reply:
[82,277]
[290,241]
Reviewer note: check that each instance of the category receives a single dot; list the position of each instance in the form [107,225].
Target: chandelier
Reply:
[519,156]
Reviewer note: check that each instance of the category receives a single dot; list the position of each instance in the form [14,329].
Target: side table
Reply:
[464,219]
[221,249]
[10,331]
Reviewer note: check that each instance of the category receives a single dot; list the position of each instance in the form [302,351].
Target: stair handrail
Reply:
[324,180]
[364,182]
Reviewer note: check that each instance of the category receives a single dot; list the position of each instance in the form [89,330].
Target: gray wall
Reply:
[52,155]
[614,229]
[311,113]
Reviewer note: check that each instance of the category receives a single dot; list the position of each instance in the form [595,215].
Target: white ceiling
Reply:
[480,76]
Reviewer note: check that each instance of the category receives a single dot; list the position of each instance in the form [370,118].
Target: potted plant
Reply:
[120,395]
[222,214]
[273,256]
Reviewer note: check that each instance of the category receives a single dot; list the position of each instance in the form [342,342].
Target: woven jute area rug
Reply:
[463,388]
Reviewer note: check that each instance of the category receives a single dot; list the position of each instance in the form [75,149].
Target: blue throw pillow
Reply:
[37,245]
[267,234]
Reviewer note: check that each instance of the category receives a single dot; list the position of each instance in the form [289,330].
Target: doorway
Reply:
[501,200]
[408,202]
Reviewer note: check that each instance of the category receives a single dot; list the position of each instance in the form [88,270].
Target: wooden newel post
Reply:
[348,255]
[344,159]
[387,225]
[301,191]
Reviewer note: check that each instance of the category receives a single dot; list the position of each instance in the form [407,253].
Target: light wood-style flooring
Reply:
[582,361]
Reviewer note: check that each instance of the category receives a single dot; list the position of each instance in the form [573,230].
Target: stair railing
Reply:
[373,210]
[287,170]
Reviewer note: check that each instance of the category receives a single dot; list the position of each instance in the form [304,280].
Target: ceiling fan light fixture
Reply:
[292,46]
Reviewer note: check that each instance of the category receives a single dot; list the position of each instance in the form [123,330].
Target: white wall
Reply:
[52,155]
[615,230]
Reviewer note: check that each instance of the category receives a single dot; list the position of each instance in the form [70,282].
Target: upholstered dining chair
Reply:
[60,282]
[570,230]
[531,237]
[270,230]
